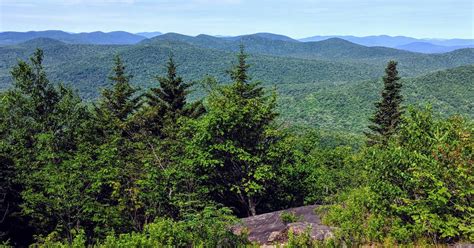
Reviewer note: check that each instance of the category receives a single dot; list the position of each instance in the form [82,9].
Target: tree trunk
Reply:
[252,206]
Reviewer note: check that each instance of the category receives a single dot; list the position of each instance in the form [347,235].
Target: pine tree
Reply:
[120,101]
[167,102]
[239,74]
[40,127]
[172,91]
[31,82]
[387,118]
[235,138]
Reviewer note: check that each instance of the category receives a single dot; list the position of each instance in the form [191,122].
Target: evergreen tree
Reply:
[30,82]
[172,94]
[120,100]
[239,74]
[387,118]
[167,102]
[234,142]
[40,128]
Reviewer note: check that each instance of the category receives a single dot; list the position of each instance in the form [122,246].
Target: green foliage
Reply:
[209,228]
[356,225]
[300,240]
[78,174]
[333,171]
[41,129]
[289,217]
[304,240]
[418,186]
[235,139]
[387,117]
[119,102]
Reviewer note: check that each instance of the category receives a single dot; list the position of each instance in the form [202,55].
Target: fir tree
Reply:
[31,82]
[239,74]
[120,101]
[235,138]
[167,102]
[386,119]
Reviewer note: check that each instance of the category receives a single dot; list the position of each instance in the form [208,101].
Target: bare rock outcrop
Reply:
[270,229]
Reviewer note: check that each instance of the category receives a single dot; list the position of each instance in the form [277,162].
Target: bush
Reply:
[289,217]
[304,240]
[419,186]
[209,228]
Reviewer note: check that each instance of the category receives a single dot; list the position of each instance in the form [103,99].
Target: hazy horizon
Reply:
[438,19]
[224,35]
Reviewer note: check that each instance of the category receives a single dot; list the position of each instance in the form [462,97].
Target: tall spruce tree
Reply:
[40,127]
[120,101]
[235,140]
[167,102]
[239,74]
[389,110]
[118,113]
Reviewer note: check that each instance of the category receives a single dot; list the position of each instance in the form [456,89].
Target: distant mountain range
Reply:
[149,34]
[425,47]
[328,83]
[403,42]
[123,38]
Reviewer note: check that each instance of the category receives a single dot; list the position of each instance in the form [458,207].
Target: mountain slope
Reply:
[392,41]
[347,106]
[374,40]
[268,36]
[337,94]
[425,47]
[87,66]
[333,49]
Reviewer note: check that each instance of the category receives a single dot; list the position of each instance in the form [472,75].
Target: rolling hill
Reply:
[373,40]
[331,84]
[149,34]
[334,49]
[394,41]
[425,47]
[87,66]
[348,106]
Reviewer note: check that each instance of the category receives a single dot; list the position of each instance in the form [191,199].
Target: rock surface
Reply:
[269,228]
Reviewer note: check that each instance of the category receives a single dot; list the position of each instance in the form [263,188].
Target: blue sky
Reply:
[295,18]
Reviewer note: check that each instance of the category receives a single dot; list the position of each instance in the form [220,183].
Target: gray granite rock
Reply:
[269,228]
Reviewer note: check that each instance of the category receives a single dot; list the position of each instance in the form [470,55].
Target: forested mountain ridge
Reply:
[156,169]
[334,73]
[347,106]
[392,41]
[122,37]
[425,47]
[343,58]
[333,49]
[86,66]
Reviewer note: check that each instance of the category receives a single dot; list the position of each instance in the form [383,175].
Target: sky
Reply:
[295,18]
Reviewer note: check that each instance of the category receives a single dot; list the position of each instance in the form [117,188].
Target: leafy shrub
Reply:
[289,217]
[304,240]
[419,186]
[208,228]
[300,240]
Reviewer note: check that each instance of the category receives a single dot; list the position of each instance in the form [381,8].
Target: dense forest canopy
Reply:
[164,165]
[338,79]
